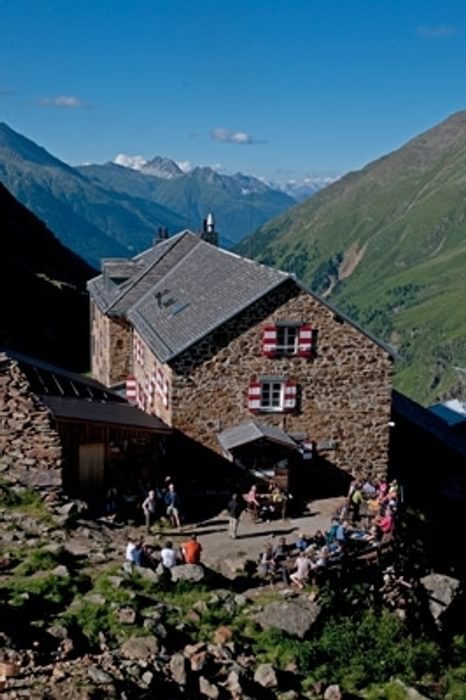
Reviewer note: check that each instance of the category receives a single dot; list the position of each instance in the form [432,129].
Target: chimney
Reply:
[209,234]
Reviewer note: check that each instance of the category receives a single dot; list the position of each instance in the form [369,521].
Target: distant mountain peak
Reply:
[157,166]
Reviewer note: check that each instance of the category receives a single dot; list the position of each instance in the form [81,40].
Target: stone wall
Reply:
[153,379]
[110,348]
[345,389]
[30,448]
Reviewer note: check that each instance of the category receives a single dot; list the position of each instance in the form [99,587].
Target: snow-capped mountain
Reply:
[158,166]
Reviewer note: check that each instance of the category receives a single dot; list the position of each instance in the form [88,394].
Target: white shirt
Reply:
[130,547]
[168,557]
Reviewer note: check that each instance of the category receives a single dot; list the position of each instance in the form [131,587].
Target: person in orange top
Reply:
[192,550]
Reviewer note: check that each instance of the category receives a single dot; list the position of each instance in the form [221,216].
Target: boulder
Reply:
[208,689]
[295,617]
[178,669]
[333,692]
[441,591]
[139,647]
[266,676]
[188,572]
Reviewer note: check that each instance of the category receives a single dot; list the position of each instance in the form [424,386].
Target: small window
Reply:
[287,339]
[290,339]
[272,395]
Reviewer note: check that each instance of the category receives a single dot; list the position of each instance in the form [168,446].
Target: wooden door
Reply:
[91,466]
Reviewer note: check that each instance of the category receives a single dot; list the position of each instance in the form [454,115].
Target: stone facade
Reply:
[345,389]
[111,344]
[30,447]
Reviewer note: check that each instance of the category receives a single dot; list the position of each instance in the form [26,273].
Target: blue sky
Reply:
[278,88]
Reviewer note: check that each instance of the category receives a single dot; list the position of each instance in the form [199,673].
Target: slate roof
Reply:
[112,413]
[73,396]
[184,288]
[250,431]
[148,268]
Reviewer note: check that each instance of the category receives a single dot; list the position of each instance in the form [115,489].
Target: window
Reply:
[270,395]
[292,339]
[287,338]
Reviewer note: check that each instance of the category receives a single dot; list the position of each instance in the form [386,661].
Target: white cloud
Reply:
[237,137]
[65,101]
[134,162]
[441,31]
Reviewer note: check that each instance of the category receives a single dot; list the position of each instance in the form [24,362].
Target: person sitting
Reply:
[191,550]
[386,522]
[168,557]
[133,554]
[319,539]
[303,568]
[302,543]
[267,563]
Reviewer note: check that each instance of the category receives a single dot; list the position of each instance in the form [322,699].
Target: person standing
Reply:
[235,507]
[172,502]
[149,508]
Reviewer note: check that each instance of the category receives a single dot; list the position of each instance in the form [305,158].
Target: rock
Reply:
[178,669]
[233,683]
[266,676]
[188,572]
[61,570]
[208,689]
[234,566]
[222,635]
[441,591]
[410,693]
[126,616]
[198,661]
[98,676]
[147,677]
[148,574]
[333,692]
[295,617]
[139,647]
[57,631]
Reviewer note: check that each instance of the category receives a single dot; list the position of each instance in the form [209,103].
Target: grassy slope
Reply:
[405,215]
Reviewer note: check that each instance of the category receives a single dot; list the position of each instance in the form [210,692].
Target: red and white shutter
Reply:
[254,397]
[269,341]
[149,393]
[140,395]
[165,392]
[305,341]
[131,388]
[290,395]
[139,348]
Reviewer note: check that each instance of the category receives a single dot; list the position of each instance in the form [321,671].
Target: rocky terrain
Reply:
[75,625]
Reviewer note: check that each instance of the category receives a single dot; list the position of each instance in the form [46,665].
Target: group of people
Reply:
[367,518]
[162,502]
[161,559]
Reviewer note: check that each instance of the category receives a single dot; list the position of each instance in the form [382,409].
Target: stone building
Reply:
[60,429]
[238,356]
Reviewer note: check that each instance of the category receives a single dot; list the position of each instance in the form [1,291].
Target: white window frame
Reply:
[277,392]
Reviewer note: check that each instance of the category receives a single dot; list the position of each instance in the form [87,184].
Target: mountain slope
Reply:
[43,285]
[387,244]
[239,202]
[88,219]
